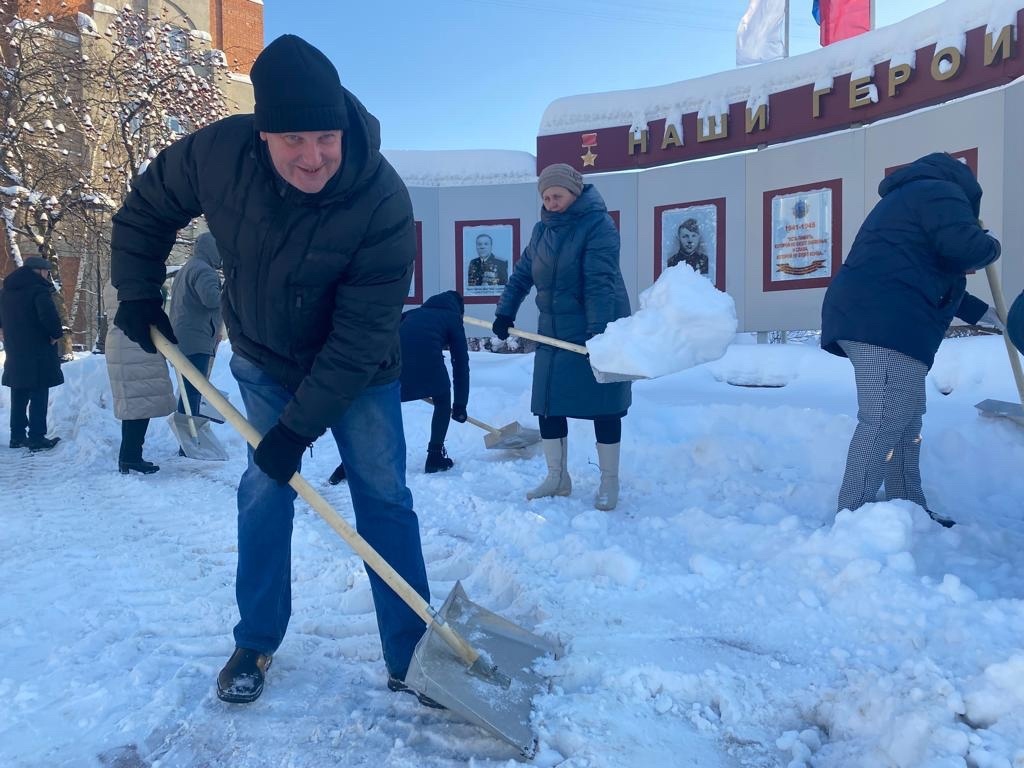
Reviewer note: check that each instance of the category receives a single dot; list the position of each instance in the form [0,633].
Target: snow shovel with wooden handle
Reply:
[194,435]
[512,436]
[603,377]
[1012,411]
[491,683]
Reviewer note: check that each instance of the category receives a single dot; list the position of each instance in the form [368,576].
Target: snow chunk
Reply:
[872,532]
[999,692]
[612,563]
[683,321]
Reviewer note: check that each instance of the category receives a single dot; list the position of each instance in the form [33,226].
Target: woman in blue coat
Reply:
[888,309]
[425,333]
[573,261]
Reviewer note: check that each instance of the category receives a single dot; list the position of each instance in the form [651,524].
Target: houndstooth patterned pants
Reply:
[886,446]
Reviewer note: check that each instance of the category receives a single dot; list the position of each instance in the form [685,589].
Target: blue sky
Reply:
[478,74]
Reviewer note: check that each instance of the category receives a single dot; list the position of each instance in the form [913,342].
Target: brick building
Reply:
[234,27]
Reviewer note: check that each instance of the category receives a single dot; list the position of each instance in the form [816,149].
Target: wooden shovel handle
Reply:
[470,419]
[551,342]
[362,548]
[184,399]
[995,285]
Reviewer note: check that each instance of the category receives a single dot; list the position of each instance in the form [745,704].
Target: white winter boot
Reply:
[608,492]
[558,482]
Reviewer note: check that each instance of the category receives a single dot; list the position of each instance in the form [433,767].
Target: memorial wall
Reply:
[762,199]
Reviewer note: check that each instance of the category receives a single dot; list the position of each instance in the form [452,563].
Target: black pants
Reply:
[441,418]
[607,429]
[133,435]
[28,411]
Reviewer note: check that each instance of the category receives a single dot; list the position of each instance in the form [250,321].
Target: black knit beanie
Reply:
[297,88]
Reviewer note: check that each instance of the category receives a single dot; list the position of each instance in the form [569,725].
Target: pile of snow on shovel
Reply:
[683,321]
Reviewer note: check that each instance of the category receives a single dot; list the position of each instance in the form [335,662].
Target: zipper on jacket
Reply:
[263,278]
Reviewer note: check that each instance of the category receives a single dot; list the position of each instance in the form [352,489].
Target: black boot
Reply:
[945,522]
[437,459]
[394,684]
[143,466]
[35,444]
[18,441]
[337,475]
[241,680]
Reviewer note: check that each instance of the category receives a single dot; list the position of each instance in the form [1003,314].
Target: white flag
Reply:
[760,35]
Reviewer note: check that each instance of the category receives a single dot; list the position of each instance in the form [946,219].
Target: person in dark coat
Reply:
[1015,322]
[573,260]
[318,242]
[195,312]
[32,329]
[888,309]
[425,333]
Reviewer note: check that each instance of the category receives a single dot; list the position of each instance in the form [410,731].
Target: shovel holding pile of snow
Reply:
[683,321]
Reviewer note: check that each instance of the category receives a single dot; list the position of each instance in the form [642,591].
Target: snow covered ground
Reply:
[720,616]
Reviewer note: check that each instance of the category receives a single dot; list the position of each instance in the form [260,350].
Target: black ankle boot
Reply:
[241,680]
[399,686]
[35,444]
[942,520]
[19,441]
[437,459]
[142,466]
[337,475]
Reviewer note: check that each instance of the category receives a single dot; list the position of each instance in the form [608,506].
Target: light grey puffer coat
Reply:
[140,382]
[195,300]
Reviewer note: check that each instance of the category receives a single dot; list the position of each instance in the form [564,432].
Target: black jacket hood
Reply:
[450,300]
[24,277]
[938,166]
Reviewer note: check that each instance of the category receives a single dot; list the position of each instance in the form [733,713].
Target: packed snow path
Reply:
[719,617]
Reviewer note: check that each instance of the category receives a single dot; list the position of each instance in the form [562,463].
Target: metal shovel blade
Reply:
[610,377]
[202,445]
[1012,411]
[512,436]
[439,673]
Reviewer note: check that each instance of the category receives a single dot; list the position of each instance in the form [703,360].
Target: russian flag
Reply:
[840,19]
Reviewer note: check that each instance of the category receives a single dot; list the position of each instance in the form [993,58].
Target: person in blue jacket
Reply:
[573,261]
[425,333]
[1015,322]
[888,309]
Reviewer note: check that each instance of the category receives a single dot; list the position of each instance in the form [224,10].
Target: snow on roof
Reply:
[462,167]
[944,24]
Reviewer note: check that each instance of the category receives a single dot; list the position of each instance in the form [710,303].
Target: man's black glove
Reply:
[459,414]
[501,325]
[280,452]
[134,318]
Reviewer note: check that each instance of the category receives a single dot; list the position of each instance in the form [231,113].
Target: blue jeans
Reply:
[372,445]
[202,362]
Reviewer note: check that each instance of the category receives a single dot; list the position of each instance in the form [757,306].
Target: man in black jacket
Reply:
[888,309]
[316,234]
[32,329]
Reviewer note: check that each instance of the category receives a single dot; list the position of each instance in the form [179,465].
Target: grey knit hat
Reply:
[297,88]
[560,175]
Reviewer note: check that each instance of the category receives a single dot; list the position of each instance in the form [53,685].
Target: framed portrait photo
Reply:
[692,234]
[486,252]
[416,286]
[802,235]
